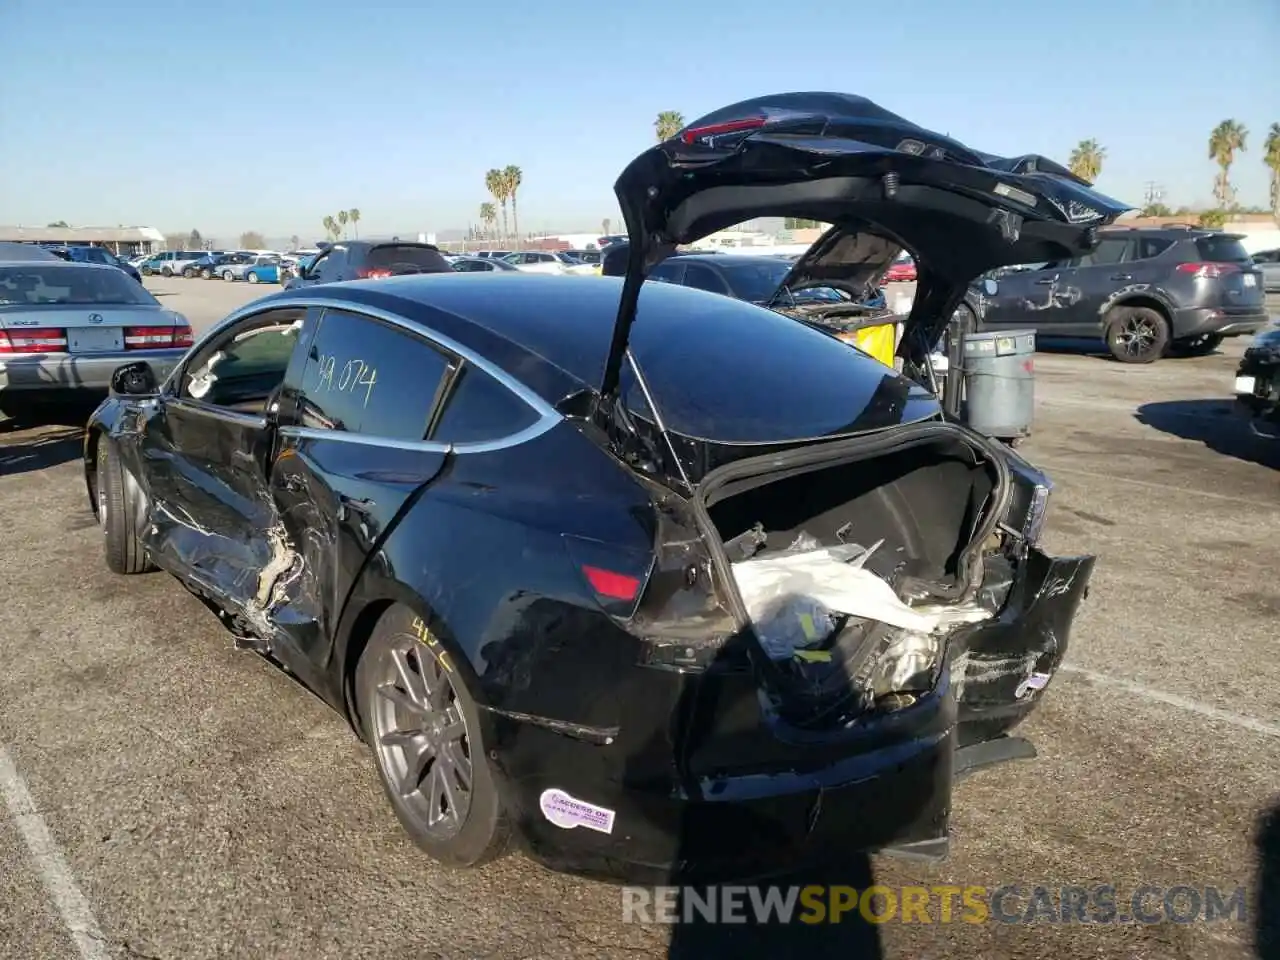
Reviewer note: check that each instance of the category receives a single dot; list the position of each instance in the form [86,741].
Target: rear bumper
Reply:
[1227,322]
[64,373]
[703,782]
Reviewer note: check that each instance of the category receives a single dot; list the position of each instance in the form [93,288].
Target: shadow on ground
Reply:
[1267,912]
[48,448]
[1213,423]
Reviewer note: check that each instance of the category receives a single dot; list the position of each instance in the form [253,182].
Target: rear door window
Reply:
[480,408]
[1221,249]
[1149,247]
[407,259]
[669,271]
[703,278]
[366,376]
[1109,250]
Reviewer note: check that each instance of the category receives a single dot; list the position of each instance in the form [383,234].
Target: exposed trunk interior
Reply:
[924,505]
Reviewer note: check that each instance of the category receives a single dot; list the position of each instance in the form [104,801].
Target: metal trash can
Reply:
[999,382]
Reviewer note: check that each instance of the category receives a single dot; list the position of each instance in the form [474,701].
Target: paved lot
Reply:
[184,800]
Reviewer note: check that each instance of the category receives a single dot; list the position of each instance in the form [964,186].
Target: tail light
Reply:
[373,273]
[1208,271]
[722,134]
[33,340]
[157,338]
[614,575]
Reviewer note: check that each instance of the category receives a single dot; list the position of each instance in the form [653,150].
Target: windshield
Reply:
[41,285]
[1222,249]
[408,259]
[756,281]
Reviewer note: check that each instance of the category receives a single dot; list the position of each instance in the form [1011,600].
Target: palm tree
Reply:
[497,186]
[354,216]
[1228,137]
[511,178]
[605,224]
[294,242]
[342,222]
[488,216]
[1086,160]
[668,124]
[330,228]
[1271,157]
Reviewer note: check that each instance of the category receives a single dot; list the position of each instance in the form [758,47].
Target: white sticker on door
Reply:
[568,812]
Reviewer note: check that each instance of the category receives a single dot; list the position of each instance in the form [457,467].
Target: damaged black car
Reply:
[646,580]
[1257,385]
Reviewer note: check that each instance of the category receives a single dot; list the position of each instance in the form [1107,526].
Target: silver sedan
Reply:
[66,327]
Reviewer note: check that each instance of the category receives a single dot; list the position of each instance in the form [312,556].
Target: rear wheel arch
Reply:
[363,623]
[1140,300]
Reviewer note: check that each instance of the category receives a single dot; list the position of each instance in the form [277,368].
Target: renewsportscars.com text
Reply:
[1009,903]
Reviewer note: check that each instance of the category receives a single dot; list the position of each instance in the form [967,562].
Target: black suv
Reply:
[362,259]
[1147,291]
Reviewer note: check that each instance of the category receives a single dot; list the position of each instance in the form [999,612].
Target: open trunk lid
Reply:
[844,160]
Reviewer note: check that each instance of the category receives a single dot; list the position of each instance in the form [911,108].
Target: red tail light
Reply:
[611,585]
[33,340]
[373,273]
[615,576]
[157,338]
[1208,271]
[712,130]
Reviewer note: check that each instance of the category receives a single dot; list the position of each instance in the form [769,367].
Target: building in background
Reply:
[123,241]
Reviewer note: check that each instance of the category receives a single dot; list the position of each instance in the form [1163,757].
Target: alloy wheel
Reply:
[421,738]
[1137,336]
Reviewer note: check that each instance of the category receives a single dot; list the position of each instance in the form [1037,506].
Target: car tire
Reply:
[188,273]
[252,278]
[117,514]
[166,272]
[479,831]
[1136,334]
[206,274]
[1200,346]
[145,271]
[228,276]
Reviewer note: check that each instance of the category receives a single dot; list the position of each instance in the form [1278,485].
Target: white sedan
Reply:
[547,261]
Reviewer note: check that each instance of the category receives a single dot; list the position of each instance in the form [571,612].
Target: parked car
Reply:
[239,269]
[1146,291]
[265,270]
[91,254]
[585,256]
[171,262]
[540,261]
[13,252]
[65,326]
[1257,383]
[481,265]
[1268,261]
[507,537]
[492,254]
[365,259]
[902,270]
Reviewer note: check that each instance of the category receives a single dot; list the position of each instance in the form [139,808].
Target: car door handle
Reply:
[1122,276]
[1046,281]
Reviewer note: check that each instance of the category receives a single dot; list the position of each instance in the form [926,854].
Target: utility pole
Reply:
[1154,194]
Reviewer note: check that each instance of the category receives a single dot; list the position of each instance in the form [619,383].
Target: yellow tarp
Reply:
[879,341]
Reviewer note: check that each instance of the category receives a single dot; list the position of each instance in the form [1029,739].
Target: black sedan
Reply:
[651,580]
[1257,386]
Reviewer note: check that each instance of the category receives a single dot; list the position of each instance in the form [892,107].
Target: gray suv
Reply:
[1146,291]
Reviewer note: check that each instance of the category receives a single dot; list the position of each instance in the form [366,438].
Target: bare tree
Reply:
[252,240]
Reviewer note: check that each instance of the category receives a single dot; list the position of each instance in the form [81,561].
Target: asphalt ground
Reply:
[166,796]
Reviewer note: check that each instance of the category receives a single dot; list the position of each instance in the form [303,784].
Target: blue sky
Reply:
[232,117]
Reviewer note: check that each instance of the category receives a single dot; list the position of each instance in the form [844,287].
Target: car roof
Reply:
[727,259]
[11,252]
[57,262]
[689,343]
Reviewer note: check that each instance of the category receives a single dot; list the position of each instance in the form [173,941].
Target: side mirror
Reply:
[989,286]
[135,379]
